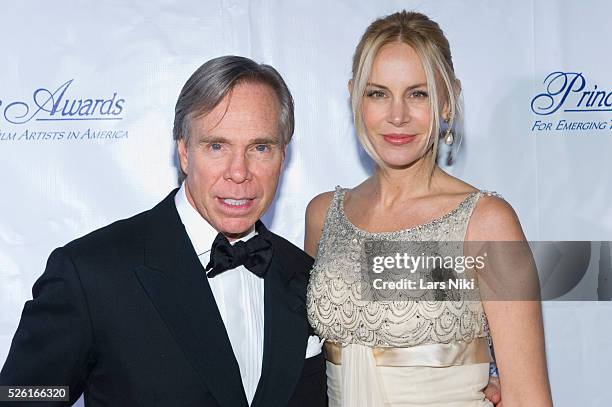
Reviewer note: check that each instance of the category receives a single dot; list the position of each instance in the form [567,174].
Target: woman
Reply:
[405,353]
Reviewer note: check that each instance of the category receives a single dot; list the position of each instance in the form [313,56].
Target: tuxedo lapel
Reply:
[285,332]
[176,283]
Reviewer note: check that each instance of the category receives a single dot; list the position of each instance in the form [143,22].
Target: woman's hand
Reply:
[493,391]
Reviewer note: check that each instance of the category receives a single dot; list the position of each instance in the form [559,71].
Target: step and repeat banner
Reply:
[87,94]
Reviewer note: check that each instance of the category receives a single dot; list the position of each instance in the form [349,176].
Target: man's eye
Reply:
[215,146]
[262,148]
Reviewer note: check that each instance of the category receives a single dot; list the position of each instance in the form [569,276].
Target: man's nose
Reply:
[237,170]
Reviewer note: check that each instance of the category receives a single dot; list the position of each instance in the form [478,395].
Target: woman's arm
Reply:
[516,325]
[315,217]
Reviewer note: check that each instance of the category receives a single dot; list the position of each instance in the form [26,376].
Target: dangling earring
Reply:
[449,138]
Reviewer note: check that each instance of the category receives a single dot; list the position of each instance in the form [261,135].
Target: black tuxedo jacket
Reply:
[126,315]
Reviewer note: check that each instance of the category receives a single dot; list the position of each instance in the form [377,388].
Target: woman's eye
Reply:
[418,94]
[375,94]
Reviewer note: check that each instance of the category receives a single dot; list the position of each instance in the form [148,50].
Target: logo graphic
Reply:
[567,90]
[57,105]
[570,92]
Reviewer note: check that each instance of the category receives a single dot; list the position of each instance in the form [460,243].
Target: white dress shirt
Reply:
[239,295]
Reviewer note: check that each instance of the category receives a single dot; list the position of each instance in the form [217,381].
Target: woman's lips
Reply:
[399,139]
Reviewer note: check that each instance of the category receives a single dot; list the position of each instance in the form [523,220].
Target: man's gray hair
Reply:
[212,81]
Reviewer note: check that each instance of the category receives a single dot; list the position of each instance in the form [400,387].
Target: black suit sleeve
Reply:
[54,341]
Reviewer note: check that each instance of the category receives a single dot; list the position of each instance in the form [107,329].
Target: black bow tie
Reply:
[255,254]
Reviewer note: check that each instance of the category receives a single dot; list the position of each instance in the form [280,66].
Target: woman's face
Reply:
[396,108]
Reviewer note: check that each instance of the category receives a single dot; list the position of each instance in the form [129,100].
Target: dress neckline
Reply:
[429,223]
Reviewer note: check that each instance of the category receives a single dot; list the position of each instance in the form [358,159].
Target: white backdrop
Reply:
[63,177]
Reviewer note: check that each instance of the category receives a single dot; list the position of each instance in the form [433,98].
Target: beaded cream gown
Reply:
[395,353]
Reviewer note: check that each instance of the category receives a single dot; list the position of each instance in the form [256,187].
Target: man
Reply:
[194,302]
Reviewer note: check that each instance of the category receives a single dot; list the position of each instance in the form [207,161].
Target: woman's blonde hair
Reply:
[430,44]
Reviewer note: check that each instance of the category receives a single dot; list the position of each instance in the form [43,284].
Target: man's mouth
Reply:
[236,202]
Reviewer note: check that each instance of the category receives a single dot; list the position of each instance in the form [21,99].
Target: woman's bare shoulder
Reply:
[494,219]
[318,206]
[315,218]
[450,187]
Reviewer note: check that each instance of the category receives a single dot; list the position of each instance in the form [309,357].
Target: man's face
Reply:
[233,159]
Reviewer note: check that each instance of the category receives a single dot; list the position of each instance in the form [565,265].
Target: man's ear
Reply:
[284,155]
[181,148]
[350,87]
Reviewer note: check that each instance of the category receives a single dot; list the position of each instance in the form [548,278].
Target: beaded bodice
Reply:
[339,313]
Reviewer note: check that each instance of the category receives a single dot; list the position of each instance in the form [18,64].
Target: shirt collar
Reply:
[200,232]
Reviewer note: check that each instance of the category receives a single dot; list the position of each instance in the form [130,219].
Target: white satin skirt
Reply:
[369,385]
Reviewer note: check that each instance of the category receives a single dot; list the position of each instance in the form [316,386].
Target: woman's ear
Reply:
[350,87]
[457,86]
[446,108]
